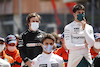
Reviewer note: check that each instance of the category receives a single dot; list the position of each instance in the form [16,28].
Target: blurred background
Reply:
[55,14]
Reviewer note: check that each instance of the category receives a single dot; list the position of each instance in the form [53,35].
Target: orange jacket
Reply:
[8,58]
[61,52]
[93,53]
[16,57]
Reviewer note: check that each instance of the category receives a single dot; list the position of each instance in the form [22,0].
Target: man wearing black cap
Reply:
[29,42]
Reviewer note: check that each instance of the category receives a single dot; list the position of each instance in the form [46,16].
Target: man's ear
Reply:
[42,45]
[28,24]
[74,14]
[54,46]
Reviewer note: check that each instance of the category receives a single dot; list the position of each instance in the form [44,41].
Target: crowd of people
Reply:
[77,46]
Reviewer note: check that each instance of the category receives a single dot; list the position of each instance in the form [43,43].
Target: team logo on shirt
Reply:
[54,65]
[76,30]
[78,39]
[43,65]
[90,31]
[40,36]
[33,62]
[32,44]
[20,42]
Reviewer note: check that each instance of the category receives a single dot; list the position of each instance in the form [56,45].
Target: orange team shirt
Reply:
[61,52]
[8,58]
[16,56]
[93,53]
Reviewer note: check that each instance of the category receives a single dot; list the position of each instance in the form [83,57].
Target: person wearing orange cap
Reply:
[11,50]
[3,54]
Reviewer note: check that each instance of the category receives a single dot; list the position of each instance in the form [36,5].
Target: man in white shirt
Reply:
[79,38]
[47,58]
[4,63]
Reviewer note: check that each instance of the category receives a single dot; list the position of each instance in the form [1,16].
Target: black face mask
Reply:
[80,17]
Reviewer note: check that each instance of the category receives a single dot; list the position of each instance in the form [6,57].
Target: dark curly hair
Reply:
[48,36]
[78,7]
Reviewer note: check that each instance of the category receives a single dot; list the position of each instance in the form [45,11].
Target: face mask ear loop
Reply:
[43,46]
[2,48]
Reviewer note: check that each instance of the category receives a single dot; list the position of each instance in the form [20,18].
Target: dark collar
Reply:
[33,31]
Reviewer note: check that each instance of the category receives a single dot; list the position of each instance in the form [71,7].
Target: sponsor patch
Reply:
[40,36]
[67,37]
[43,65]
[20,42]
[78,39]
[33,62]
[76,30]
[90,31]
[32,44]
[54,65]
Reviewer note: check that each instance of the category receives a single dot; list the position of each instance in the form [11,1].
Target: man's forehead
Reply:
[34,17]
[80,11]
[12,44]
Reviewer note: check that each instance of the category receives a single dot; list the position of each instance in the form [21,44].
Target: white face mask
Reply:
[97,45]
[11,48]
[2,47]
[48,48]
[34,26]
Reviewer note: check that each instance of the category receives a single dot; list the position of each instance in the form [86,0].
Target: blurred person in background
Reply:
[4,63]
[3,55]
[79,37]
[62,51]
[57,42]
[96,60]
[11,50]
[94,50]
[47,58]
[29,42]
[17,37]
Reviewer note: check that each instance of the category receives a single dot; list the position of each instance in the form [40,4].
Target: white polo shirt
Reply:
[47,60]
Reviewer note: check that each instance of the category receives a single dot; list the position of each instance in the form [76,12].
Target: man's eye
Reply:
[33,21]
[37,21]
[79,12]
[46,43]
[51,43]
